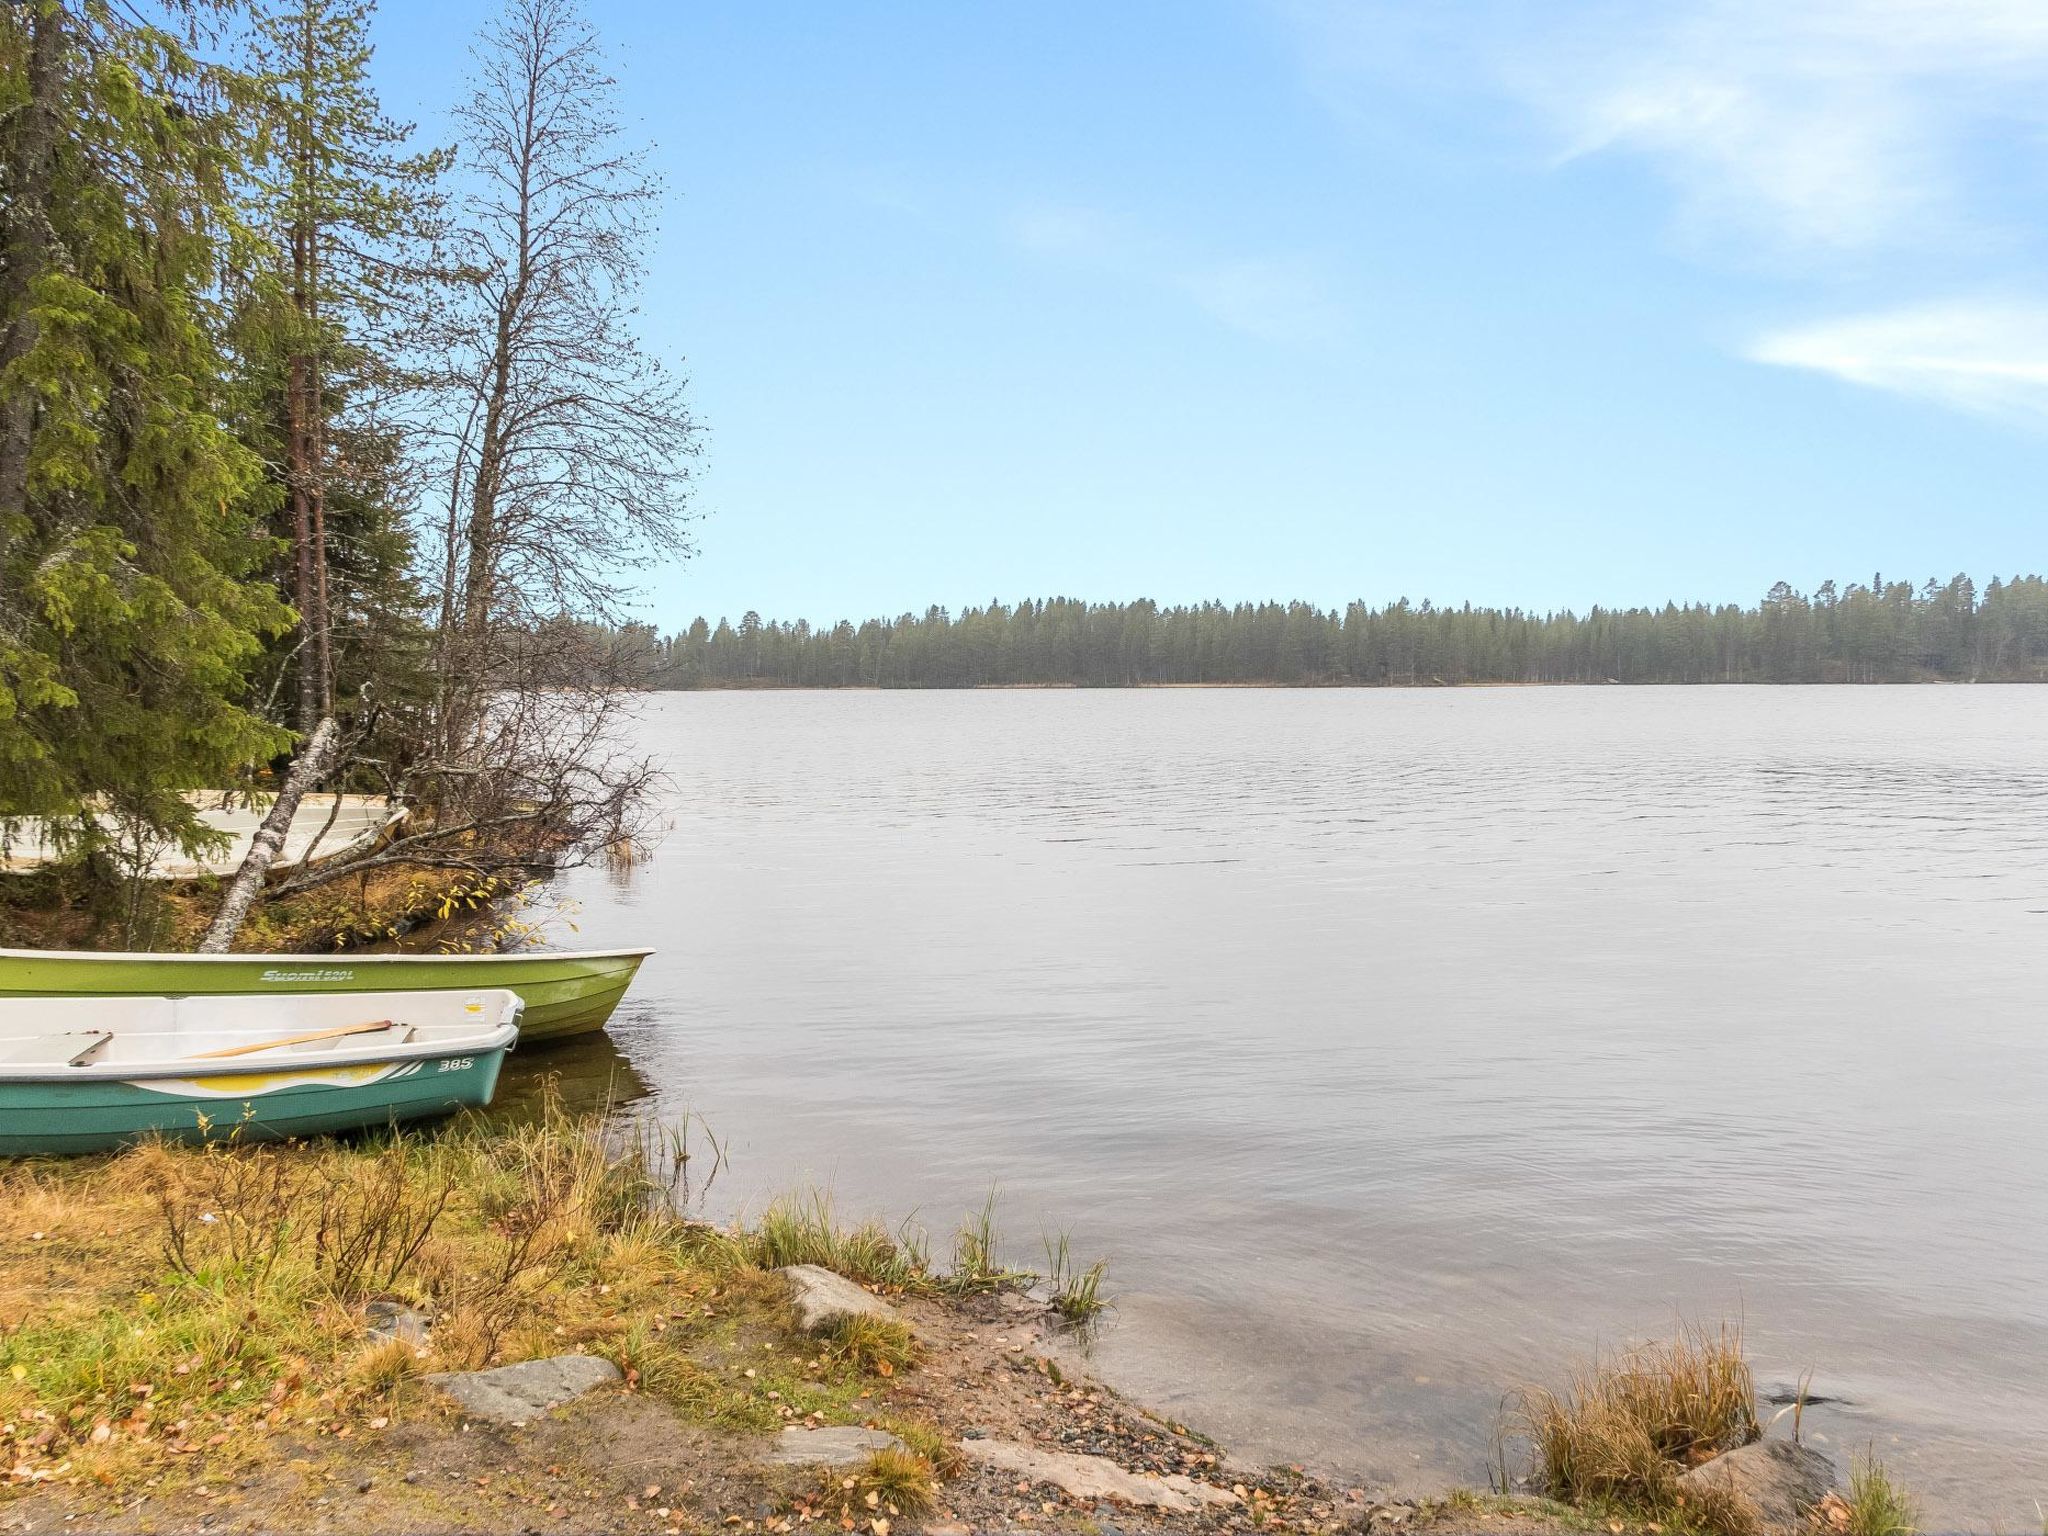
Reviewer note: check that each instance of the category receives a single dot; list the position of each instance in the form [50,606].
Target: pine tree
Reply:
[353,218]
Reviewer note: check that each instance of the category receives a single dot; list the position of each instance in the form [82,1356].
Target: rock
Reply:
[1096,1477]
[1781,1480]
[824,1300]
[833,1446]
[519,1394]
[395,1320]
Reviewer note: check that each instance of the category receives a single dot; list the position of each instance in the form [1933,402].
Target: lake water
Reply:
[1398,1047]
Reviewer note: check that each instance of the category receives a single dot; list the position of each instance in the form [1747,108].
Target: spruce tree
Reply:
[131,519]
[352,216]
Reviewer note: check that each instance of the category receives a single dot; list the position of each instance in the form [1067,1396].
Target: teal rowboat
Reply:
[564,994]
[86,1074]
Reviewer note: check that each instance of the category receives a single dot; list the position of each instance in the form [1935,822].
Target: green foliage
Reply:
[1076,1287]
[1878,1506]
[1886,631]
[131,544]
[878,1345]
[975,1264]
[805,1229]
[350,217]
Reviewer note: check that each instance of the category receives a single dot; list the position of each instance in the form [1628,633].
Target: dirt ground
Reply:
[619,1460]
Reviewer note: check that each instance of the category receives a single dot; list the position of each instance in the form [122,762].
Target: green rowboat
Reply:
[564,994]
[86,1074]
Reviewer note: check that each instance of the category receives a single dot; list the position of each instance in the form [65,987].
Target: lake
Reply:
[1398,1048]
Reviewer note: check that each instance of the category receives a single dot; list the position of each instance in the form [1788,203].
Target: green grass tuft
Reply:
[805,1229]
[1878,1506]
[880,1346]
[1076,1289]
[976,1266]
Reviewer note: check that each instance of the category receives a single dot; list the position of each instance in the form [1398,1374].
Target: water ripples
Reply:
[1392,1035]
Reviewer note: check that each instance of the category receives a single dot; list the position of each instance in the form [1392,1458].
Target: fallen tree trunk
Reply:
[307,770]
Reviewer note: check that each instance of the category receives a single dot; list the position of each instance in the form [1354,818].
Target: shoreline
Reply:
[318,1337]
[1351,685]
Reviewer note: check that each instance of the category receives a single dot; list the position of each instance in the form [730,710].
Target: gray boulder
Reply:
[395,1320]
[1780,1480]
[1097,1477]
[836,1445]
[519,1394]
[824,1300]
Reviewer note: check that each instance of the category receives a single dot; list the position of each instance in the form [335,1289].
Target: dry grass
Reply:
[901,1482]
[880,1346]
[171,1300]
[384,1365]
[1624,1431]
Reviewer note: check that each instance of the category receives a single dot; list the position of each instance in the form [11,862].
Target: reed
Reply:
[805,1229]
[976,1266]
[1878,1505]
[1624,1431]
[1076,1288]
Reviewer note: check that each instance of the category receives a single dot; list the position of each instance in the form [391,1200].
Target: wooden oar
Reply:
[307,1039]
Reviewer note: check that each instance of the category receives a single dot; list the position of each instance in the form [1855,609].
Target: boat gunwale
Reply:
[501,1037]
[268,957]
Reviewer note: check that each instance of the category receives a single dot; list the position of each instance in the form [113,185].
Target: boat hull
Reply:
[564,994]
[41,1118]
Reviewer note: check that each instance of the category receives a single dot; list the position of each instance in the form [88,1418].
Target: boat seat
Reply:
[53,1050]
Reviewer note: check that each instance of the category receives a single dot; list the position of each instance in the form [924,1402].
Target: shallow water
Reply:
[1398,1047]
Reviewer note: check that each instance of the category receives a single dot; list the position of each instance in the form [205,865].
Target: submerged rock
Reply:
[1781,1480]
[837,1445]
[519,1394]
[824,1299]
[1096,1477]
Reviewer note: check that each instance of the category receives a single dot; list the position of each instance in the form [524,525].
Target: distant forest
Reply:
[1888,631]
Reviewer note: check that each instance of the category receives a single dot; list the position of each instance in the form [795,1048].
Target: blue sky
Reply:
[1544,303]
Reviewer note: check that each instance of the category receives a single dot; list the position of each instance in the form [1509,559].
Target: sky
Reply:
[1540,304]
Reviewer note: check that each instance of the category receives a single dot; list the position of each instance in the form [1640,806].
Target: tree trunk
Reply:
[27,245]
[298,472]
[307,770]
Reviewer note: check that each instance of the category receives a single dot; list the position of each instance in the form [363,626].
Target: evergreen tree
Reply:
[1884,632]
[131,519]
[353,218]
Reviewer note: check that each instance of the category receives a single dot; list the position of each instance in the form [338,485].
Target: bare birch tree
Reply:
[562,453]
[570,448]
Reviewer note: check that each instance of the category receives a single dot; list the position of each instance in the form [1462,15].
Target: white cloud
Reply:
[1876,140]
[1817,126]
[1840,124]
[1989,358]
